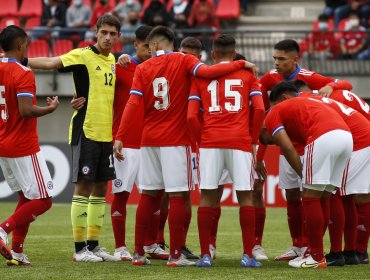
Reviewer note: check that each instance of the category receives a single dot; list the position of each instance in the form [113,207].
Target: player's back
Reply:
[305,119]
[18,135]
[165,85]
[226,102]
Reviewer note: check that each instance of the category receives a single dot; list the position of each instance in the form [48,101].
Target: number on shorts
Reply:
[213,89]
[346,110]
[3,106]
[350,96]
[111,161]
[160,88]
[194,163]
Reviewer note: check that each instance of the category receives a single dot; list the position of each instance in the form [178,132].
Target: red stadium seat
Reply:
[31,8]
[6,21]
[39,48]
[228,9]
[32,22]
[84,44]
[9,8]
[62,46]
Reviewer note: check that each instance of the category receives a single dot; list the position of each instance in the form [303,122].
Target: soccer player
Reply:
[21,160]
[162,83]
[94,75]
[226,144]
[328,145]
[286,57]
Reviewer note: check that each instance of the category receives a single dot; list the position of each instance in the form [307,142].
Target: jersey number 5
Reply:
[213,89]
[3,107]
[160,89]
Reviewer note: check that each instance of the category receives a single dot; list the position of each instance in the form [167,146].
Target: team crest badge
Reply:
[85,170]
[113,69]
[118,183]
[50,185]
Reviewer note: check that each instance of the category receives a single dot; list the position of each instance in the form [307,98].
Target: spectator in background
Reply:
[179,14]
[78,16]
[353,41]
[243,6]
[53,18]
[102,7]
[362,6]
[128,33]
[332,5]
[156,14]
[123,9]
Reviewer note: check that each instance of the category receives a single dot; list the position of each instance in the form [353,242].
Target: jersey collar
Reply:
[134,59]
[296,72]
[94,49]
[160,52]
[6,59]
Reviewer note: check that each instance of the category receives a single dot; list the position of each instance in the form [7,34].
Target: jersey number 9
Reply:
[160,89]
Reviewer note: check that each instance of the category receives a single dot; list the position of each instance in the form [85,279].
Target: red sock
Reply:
[214,226]
[186,225]
[294,213]
[260,223]
[364,211]
[162,223]
[336,224]
[19,233]
[247,224]
[144,214]
[176,217]
[350,224]
[362,234]
[26,214]
[151,235]
[314,224]
[205,224]
[325,206]
[118,217]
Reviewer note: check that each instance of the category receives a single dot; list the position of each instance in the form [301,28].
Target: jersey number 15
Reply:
[213,89]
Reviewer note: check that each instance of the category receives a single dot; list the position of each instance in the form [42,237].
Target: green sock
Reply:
[79,217]
[95,217]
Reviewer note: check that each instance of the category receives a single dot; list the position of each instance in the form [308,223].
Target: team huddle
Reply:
[175,122]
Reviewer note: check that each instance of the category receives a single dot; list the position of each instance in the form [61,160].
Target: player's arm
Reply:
[193,117]
[327,85]
[282,139]
[258,109]
[28,110]
[45,63]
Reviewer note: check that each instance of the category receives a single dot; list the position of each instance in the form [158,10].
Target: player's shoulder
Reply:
[306,72]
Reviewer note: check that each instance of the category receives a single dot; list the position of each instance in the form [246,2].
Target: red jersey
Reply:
[164,84]
[352,100]
[18,135]
[226,110]
[358,124]
[304,120]
[124,77]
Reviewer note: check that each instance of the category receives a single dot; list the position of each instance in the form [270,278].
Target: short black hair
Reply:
[224,45]
[109,20]
[353,13]
[161,31]
[191,43]
[239,56]
[280,88]
[10,35]
[323,17]
[299,84]
[287,45]
[142,32]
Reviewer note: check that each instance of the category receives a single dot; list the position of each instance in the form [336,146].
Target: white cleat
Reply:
[307,262]
[259,253]
[292,253]
[181,261]
[140,260]
[19,259]
[86,256]
[104,254]
[212,251]
[123,254]
[156,252]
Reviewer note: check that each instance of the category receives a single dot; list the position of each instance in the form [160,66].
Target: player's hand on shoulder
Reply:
[78,103]
[252,67]
[124,60]
[325,91]
[117,149]
[53,102]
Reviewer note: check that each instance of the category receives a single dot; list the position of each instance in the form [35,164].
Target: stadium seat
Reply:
[228,9]
[39,48]
[6,21]
[32,22]
[62,46]
[30,8]
[86,43]
[9,8]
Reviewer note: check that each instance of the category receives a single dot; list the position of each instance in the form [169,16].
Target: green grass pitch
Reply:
[49,246]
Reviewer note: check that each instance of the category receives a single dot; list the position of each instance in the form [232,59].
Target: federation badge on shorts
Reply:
[113,69]
[50,185]
[85,170]
[118,183]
